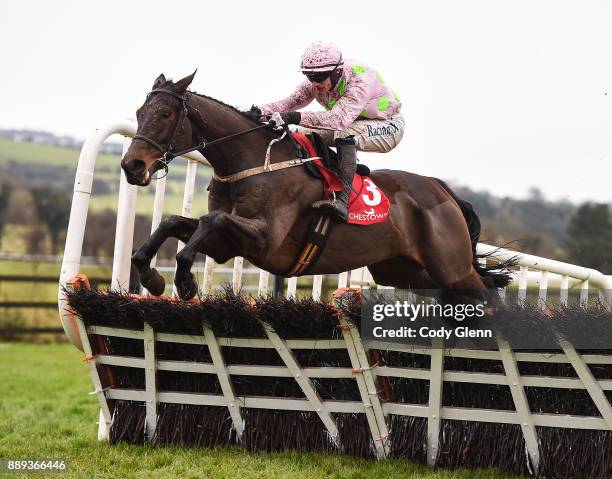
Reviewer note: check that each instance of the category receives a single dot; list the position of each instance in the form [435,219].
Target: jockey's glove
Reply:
[286,118]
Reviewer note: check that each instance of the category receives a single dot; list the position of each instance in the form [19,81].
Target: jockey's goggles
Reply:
[317,77]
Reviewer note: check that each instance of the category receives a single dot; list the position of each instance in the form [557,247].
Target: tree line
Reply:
[39,217]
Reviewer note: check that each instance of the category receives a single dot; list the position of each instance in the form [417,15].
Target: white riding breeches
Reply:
[378,136]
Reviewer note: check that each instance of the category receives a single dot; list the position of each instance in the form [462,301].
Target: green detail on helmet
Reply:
[359,70]
[397,98]
[383,103]
[330,104]
[341,87]
[380,78]
[364,113]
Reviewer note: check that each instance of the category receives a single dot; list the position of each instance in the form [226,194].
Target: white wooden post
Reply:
[237,274]
[436,383]
[292,287]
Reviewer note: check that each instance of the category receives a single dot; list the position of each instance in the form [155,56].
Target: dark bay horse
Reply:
[428,242]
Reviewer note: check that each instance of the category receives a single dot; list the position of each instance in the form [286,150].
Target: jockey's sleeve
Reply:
[345,110]
[301,96]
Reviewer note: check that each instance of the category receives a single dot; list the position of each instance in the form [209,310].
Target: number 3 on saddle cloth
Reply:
[367,205]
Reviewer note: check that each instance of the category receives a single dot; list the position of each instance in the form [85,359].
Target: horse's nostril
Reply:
[137,167]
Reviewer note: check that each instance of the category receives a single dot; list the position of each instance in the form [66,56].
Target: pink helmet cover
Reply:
[320,57]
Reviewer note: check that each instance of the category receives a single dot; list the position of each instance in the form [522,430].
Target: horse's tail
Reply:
[494,276]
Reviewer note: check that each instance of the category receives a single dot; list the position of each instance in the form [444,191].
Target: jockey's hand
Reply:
[286,118]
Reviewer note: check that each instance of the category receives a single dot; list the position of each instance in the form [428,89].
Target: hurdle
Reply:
[430,418]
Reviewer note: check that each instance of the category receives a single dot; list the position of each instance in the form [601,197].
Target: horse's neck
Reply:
[217,121]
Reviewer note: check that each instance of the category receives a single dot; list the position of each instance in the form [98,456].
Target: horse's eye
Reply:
[165,114]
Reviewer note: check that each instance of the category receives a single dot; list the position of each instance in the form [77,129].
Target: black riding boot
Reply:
[347,165]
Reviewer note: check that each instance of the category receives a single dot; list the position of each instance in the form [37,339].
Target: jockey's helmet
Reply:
[321,57]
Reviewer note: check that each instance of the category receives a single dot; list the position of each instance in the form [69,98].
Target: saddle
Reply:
[367,204]
[329,157]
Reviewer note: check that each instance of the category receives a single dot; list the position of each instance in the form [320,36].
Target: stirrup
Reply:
[332,207]
[332,203]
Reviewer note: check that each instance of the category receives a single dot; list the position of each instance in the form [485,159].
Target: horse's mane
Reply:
[170,83]
[231,107]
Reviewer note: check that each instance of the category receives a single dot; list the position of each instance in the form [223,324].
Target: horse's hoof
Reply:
[187,289]
[154,282]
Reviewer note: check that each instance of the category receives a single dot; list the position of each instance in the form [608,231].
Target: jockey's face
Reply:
[323,86]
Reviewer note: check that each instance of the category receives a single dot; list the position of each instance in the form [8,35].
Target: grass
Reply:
[50,155]
[47,413]
[173,203]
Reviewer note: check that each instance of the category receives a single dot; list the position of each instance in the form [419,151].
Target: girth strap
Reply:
[314,243]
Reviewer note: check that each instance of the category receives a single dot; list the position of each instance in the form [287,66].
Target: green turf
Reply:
[173,203]
[47,413]
[50,155]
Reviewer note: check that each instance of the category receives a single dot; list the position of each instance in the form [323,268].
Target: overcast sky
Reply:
[496,95]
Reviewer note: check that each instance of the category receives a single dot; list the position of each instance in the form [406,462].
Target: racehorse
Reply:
[428,241]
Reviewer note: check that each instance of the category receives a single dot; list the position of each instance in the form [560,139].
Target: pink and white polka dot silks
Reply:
[361,93]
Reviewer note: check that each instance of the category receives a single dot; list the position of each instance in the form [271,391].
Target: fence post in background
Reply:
[317,285]
[584,294]
[190,177]
[543,289]
[237,274]
[564,290]
[291,287]
[264,281]
[158,210]
[522,286]
[207,282]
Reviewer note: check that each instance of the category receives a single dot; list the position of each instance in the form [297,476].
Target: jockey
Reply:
[363,113]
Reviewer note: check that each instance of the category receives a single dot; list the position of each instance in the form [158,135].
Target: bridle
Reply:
[168,153]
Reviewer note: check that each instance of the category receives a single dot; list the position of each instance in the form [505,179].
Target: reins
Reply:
[168,154]
[267,166]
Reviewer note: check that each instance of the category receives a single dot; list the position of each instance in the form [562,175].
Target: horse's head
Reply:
[163,127]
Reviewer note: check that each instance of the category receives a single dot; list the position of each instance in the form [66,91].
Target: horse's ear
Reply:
[159,81]
[181,85]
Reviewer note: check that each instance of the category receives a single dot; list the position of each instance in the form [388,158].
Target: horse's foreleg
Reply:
[185,282]
[170,227]
[220,236]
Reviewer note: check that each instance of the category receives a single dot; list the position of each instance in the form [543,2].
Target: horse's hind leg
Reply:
[446,250]
[174,226]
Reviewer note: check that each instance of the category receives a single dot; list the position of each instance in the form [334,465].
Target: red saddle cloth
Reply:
[368,206]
